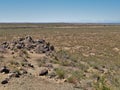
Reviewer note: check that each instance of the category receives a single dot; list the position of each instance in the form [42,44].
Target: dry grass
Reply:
[95,45]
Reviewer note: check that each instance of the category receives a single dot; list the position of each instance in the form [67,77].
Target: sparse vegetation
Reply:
[82,52]
[101,84]
[60,72]
[75,77]
[13,62]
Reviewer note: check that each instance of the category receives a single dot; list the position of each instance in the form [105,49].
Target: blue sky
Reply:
[59,10]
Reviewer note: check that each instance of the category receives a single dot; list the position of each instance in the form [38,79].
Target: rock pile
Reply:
[20,47]
[27,43]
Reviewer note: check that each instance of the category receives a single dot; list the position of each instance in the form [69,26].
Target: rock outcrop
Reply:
[27,43]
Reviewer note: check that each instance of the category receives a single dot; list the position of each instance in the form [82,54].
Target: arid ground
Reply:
[82,57]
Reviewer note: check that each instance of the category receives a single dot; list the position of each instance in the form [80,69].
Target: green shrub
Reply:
[72,79]
[101,84]
[60,72]
[75,77]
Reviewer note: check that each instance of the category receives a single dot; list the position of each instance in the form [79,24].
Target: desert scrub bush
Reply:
[40,64]
[82,66]
[114,80]
[65,58]
[60,73]
[54,61]
[72,79]
[65,63]
[75,77]
[62,54]
[13,62]
[101,84]
[42,61]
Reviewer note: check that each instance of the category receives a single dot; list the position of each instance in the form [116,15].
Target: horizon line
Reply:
[55,22]
[114,23]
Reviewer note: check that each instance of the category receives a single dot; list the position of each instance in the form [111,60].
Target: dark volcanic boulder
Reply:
[20,45]
[5,44]
[23,72]
[30,46]
[5,70]
[16,74]
[21,39]
[29,39]
[4,81]
[52,48]
[43,72]
[41,41]
[30,65]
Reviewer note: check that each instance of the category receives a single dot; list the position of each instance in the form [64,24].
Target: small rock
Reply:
[19,46]
[10,75]
[116,49]
[41,41]
[52,48]
[14,74]
[29,39]
[17,75]
[4,43]
[30,65]
[49,65]
[92,54]
[12,53]
[21,39]
[23,72]
[43,72]
[4,81]
[5,70]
